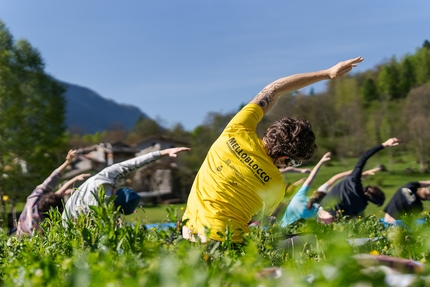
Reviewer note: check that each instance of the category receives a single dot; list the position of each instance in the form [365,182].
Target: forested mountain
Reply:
[87,112]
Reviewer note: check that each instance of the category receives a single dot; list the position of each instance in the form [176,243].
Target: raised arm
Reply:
[124,168]
[337,177]
[315,170]
[71,155]
[266,99]
[358,169]
[173,152]
[424,183]
[70,183]
[295,169]
[341,175]
[371,171]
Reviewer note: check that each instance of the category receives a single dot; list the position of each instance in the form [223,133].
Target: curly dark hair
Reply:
[292,137]
[49,200]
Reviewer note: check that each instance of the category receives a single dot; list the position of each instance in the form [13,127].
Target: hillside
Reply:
[88,112]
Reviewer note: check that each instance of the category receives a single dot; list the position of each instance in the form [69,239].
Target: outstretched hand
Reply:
[326,157]
[82,176]
[173,152]
[391,142]
[344,67]
[71,155]
[372,171]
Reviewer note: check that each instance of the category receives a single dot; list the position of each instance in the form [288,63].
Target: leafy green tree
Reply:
[418,122]
[407,77]
[369,92]
[32,111]
[143,128]
[178,132]
[422,66]
[388,80]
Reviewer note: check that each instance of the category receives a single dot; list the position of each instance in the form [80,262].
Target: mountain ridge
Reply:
[87,112]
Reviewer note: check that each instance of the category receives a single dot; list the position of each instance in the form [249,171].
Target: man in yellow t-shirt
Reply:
[240,175]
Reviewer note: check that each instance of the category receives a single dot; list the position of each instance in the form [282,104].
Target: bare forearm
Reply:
[268,96]
[71,182]
[66,186]
[294,169]
[424,183]
[313,173]
[266,99]
[69,158]
[62,167]
[337,177]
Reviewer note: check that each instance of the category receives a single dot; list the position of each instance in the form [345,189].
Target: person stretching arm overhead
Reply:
[298,206]
[349,196]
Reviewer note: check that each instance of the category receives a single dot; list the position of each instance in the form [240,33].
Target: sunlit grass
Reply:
[99,250]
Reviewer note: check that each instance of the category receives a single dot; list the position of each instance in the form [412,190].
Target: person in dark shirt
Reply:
[349,196]
[407,200]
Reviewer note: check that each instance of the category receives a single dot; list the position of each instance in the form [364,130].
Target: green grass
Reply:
[155,214]
[98,250]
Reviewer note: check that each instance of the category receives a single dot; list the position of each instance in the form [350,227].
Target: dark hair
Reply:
[49,200]
[292,137]
[316,197]
[375,195]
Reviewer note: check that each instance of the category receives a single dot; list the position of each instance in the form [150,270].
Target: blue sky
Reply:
[179,60]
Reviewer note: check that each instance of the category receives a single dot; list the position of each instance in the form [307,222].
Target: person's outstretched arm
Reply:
[71,155]
[371,171]
[295,169]
[49,183]
[358,169]
[315,170]
[266,99]
[337,177]
[67,185]
[341,175]
[173,152]
[424,183]
[124,168]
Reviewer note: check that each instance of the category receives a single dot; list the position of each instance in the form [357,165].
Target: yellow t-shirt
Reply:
[236,181]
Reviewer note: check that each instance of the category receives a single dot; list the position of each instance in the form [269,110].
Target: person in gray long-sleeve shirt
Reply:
[127,199]
[349,196]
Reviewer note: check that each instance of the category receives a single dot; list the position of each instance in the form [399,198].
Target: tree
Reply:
[418,121]
[146,127]
[407,77]
[422,66]
[388,80]
[32,111]
[426,44]
[369,92]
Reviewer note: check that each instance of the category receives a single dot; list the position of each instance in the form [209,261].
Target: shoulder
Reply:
[412,184]
[249,115]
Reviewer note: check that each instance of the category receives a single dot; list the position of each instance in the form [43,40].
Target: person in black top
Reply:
[407,200]
[349,196]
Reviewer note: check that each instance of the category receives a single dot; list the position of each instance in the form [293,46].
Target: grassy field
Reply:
[155,214]
[97,250]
